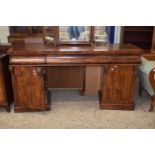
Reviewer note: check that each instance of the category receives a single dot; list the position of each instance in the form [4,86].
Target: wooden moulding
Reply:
[24,109]
[28,60]
[71,59]
[129,106]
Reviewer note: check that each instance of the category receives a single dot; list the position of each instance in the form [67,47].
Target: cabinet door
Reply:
[2,87]
[118,86]
[28,83]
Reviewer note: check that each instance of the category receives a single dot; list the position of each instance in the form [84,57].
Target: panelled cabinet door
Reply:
[118,86]
[28,83]
[2,87]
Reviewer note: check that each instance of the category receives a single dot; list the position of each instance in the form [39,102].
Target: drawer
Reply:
[15,40]
[27,60]
[76,59]
[124,59]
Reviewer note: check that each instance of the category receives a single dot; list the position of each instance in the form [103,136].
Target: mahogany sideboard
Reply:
[29,65]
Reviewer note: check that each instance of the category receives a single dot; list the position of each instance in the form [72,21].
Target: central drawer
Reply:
[76,59]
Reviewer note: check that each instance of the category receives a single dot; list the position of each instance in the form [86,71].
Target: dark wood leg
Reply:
[141,90]
[152,104]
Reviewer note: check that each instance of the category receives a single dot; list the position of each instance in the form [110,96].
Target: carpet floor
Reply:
[70,110]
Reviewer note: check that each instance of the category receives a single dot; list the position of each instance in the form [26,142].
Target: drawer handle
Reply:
[34,72]
[39,70]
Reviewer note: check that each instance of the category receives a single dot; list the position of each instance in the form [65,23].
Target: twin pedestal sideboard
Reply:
[30,64]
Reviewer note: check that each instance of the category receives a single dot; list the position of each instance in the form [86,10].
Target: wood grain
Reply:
[118,75]
[118,86]
[28,84]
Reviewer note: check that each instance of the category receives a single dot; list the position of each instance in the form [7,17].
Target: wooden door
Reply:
[118,87]
[2,87]
[28,84]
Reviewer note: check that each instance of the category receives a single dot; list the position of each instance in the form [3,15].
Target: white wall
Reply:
[4,32]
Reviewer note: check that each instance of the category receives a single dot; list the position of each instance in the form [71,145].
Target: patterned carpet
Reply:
[70,110]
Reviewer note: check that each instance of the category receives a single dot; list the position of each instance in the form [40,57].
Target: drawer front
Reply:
[76,59]
[124,59]
[27,60]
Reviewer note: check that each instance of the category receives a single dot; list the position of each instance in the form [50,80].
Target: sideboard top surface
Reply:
[43,49]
